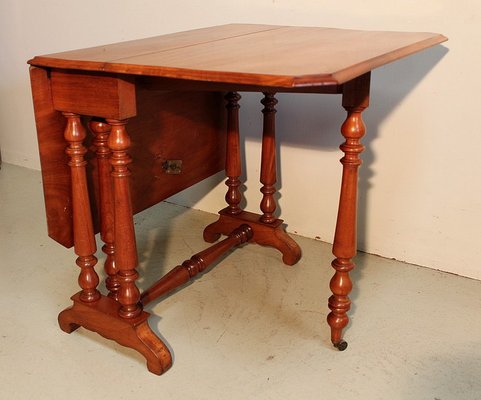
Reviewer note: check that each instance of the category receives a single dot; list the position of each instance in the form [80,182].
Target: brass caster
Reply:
[341,346]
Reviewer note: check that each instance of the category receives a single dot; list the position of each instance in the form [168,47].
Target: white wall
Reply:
[420,186]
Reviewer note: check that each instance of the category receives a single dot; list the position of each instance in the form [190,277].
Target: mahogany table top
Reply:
[265,55]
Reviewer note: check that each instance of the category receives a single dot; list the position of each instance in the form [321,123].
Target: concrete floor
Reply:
[251,328]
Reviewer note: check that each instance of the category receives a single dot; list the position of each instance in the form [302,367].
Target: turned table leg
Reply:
[267,229]
[233,171]
[124,234]
[122,320]
[268,159]
[101,130]
[84,240]
[355,100]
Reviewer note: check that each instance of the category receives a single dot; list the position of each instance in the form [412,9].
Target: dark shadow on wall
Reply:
[309,121]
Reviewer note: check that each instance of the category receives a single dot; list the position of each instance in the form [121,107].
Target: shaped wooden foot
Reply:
[266,234]
[102,317]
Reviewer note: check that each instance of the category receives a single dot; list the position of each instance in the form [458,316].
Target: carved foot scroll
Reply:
[103,318]
[266,234]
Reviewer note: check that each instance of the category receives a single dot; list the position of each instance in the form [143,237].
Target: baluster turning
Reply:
[268,161]
[124,234]
[101,130]
[232,162]
[84,240]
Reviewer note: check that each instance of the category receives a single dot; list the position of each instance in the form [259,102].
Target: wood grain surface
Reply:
[165,121]
[268,55]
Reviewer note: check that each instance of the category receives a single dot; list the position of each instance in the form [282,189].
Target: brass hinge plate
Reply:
[172,167]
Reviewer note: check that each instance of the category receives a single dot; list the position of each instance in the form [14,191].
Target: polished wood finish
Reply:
[270,234]
[103,317]
[158,127]
[83,233]
[118,317]
[171,89]
[101,131]
[251,54]
[106,53]
[233,163]
[124,233]
[181,84]
[56,180]
[164,121]
[267,229]
[102,95]
[197,264]
[268,159]
[355,99]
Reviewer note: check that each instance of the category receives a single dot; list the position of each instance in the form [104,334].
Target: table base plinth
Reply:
[265,234]
[102,317]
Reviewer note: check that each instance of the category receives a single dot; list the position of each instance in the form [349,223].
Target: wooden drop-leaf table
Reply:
[157,124]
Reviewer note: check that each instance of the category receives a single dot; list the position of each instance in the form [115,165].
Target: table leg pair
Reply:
[119,316]
[355,99]
[267,229]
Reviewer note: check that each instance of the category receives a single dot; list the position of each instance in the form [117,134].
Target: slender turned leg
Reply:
[101,131]
[232,167]
[355,100]
[124,234]
[267,230]
[268,161]
[84,240]
[232,162]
